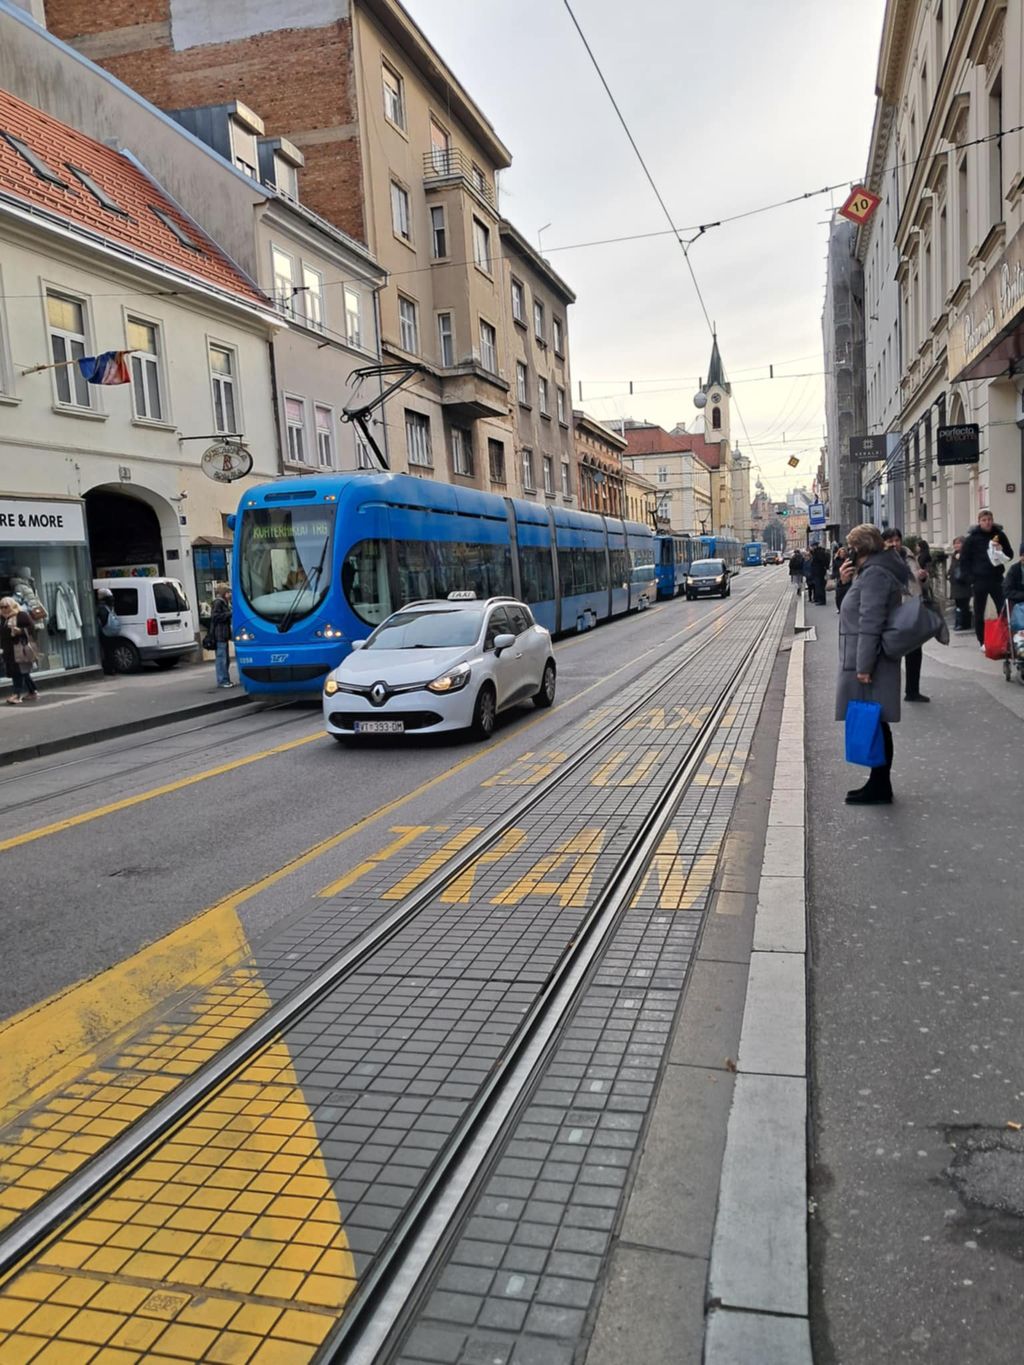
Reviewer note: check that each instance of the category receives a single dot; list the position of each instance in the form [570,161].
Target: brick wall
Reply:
[301,82]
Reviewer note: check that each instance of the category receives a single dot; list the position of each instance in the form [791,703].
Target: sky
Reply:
[734,104]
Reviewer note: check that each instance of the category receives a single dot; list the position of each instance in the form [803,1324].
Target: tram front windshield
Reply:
[286,560]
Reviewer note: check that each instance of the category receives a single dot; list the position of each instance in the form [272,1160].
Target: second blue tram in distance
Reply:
[753,553]
[320,561]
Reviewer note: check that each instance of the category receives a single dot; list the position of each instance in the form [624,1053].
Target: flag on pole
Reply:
[109,368]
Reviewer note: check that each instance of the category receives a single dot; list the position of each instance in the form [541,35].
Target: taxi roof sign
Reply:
[860,205]
[463,595]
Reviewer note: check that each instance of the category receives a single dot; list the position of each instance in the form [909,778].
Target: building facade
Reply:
[680,478]
[950,79]
[96,257]
[600,468]
[398,155]
[842,328]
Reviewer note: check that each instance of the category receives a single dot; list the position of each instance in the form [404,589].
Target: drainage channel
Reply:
[102,1172]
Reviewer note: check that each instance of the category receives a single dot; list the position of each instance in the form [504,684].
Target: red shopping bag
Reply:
[997,638]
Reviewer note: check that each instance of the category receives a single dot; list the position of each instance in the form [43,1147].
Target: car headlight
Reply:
[452,681]
[330,687]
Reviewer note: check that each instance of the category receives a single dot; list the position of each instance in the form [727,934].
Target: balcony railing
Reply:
[451,164]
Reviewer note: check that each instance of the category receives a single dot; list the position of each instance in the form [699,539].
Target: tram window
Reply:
[417,572]
[600,569]
[620,568]
[666,552]
[364,579]
[286,560]
[538,582]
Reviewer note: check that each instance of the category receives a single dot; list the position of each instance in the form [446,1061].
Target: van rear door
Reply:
[173,613]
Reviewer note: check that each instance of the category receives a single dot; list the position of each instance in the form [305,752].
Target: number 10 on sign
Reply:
[860,205]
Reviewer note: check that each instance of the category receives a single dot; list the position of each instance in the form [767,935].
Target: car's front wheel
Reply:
[546,693]
[485,712]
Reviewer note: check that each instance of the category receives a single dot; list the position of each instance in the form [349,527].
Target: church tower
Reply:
[718,393]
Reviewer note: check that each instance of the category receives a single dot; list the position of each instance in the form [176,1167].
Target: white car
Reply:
[441,665]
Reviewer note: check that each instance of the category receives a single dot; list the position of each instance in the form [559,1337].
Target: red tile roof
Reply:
[653,440]
[141,232]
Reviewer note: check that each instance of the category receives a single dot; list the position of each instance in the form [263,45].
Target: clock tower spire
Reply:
[718,393]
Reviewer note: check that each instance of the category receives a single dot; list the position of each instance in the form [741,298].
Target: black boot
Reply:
[877,790]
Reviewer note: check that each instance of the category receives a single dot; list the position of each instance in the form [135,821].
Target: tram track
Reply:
[101,1173]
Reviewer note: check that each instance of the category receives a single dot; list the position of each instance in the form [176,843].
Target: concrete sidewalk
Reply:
[103,708]
[916,1019]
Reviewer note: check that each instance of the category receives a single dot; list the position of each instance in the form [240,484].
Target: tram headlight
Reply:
[245,635]
[452,681]
[330,687]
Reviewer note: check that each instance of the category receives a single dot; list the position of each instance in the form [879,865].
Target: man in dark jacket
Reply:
[986,578]
[959,587]
[220,629]
[816,575]
[796,569]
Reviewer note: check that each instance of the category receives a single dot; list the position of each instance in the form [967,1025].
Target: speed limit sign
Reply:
[860,205]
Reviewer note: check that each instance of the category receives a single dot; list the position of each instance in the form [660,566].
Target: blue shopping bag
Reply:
[864,742]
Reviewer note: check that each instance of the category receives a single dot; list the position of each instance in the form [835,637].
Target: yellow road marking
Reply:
[665,870]
[419,874]
[166,789]
[606,774]
[407,834]
[460,890]
[574,860]
[523,773]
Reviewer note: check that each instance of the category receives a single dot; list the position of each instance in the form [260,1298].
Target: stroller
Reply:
[1013,661]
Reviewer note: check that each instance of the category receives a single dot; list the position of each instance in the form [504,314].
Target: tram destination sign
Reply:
[865,449]
[957,445]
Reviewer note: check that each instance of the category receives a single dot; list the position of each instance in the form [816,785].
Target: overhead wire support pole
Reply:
[358,414]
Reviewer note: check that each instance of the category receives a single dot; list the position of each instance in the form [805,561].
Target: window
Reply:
[313,294]
[97,191]
[943,280]
[445,339]
[549,475]
[400,220]
[560,404]
[716,418]
[295,425]
[37,163]
[222,377]
[528,482]
[479,179]
[542,395]
[995,152]
[522,389]
[566,477]
[462,451]
[143,338]
[66,318]
[538,319]
[663,473]
[496,460]
[488,347]
[964,226]
[6,369]
[417,438]
[364,457]
[518,301]
[324,435]
[440,148]
[438,232]
[284,290]
[407,325]
[394,96]
[175,229]
[482,245]
[353,317]
[557,336]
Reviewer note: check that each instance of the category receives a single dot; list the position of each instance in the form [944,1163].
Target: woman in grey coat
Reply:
[880,579]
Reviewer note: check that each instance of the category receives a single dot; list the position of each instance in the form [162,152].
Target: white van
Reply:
[157,625]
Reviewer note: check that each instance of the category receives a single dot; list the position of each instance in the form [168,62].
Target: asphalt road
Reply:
[79,899]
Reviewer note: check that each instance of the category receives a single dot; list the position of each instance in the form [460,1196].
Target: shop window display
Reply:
[53,584]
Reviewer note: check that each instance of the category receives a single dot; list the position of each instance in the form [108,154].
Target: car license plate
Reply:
[378,727]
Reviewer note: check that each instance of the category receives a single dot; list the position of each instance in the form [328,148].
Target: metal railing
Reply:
[450,163]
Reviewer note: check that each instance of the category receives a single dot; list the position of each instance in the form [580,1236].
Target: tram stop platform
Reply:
[530,1090]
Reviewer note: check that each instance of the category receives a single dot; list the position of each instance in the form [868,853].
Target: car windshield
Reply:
[286,560]
[706,568]
[440,629]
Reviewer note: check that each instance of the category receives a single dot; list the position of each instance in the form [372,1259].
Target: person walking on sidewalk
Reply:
[18,646]
[878,580]
[918,576]
[220,630]
[959,586]
[817,573]
[796,570]
[986,578]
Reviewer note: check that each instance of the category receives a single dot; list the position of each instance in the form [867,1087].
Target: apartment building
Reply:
[951,99]
[398,155]
[600,468]
[681,480]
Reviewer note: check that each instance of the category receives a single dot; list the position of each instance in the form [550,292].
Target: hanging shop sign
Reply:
[957,445]
[226,461]
[24,522]
[864,449]
[988,334]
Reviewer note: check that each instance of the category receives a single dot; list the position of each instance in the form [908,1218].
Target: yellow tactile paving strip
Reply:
[59,1135]
[226,1246]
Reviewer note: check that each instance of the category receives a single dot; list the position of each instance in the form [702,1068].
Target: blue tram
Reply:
[721,547]
[753,553]
[675,554]
[320,561]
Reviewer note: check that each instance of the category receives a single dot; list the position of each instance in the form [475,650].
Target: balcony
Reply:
[469,392]
[449,166]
